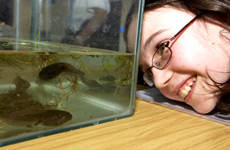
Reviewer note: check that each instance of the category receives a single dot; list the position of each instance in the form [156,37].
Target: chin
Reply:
[204,107]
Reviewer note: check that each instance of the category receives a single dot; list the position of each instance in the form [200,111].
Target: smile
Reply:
[186,87]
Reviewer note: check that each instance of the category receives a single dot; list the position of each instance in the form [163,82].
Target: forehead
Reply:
[163,18]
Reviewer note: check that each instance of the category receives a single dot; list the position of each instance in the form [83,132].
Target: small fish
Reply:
[21,84]
[107,78]
[91,83]
[54,70]
[35,117]
[54,117]
[17,107]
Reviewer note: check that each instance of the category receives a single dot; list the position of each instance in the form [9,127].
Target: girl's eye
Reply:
[162,44]
[161,47]
[160,50]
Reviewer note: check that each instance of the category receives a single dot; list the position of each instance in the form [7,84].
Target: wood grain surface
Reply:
[151,127]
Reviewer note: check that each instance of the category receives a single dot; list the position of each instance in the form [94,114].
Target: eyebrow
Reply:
[154,35]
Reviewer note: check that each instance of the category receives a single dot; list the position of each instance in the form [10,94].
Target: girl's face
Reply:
[197,54]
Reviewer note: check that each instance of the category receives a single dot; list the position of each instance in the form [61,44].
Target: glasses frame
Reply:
[148,75]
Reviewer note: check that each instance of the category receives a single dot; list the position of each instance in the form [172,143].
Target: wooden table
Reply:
[152,127]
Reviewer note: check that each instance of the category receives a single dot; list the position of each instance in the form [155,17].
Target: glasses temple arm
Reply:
[182,30]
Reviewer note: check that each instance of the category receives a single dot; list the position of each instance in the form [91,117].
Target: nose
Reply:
[161,77]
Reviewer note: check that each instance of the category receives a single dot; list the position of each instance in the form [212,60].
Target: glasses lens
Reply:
[161,57]
[148,78]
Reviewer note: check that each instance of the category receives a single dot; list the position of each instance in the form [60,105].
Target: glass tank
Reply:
[64,65]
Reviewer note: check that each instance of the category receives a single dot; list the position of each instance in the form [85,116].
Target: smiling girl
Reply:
[185,51]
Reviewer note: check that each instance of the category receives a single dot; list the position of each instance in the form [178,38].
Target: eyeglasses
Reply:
[163,54]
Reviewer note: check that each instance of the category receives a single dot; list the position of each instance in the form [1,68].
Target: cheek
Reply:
[200,60]
[187,59]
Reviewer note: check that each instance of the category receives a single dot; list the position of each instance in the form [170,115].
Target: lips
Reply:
[186,87]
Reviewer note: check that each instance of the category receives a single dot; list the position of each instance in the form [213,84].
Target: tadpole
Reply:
[52,71]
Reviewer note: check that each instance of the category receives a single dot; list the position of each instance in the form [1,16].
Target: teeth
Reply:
[183,93]
[186,89]
[190,83]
